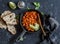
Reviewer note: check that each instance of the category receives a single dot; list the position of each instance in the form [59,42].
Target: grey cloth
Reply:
[53,23]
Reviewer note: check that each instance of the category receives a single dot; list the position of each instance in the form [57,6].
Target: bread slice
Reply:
[12,22]
[11,29]
[3,24]
[9,18]
[5,13]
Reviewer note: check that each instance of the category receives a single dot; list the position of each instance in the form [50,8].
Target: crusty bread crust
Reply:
[2,24]
[11,29]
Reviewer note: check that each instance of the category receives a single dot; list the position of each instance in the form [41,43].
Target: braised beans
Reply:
[29,18]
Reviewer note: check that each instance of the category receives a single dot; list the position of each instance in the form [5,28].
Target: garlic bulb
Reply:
[21,4]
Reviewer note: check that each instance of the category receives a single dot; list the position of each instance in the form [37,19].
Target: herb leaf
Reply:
[37,5]
[35,27]
[42,13]
[28,8]
[17,17]
[36,8]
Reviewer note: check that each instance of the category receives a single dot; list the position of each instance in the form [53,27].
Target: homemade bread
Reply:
[9,18]
[11,29]
[9,21]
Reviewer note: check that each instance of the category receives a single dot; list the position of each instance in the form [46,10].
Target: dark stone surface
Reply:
[47,6]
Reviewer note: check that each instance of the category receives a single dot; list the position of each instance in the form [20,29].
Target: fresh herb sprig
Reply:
[37,5]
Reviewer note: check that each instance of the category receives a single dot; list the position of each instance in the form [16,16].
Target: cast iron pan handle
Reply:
[21,37]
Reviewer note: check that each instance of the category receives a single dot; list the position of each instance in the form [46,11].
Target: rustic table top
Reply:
[51,7]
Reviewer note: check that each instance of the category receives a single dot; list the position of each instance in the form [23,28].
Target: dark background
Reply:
[51,7]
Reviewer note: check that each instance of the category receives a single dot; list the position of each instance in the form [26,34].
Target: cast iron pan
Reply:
[24,30]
